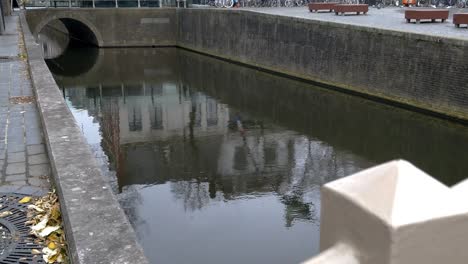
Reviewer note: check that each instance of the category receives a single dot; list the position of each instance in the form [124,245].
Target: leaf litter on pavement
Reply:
[45,222]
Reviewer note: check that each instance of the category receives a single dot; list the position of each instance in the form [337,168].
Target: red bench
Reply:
[426,14]
[359,8]
[459,19]
[322,6]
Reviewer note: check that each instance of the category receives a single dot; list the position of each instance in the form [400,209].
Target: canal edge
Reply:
[96,227]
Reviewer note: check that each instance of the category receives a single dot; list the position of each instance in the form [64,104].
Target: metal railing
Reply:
[104,3]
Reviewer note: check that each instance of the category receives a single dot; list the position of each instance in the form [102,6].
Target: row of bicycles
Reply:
[258,3]
[420,3]
[376,3]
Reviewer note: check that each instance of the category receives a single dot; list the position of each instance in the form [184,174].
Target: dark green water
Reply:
[219,163]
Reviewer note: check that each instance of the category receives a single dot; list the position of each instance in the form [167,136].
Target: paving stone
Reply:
[9,189]
[32,190]
[38,182]
[21,137]
[16,138]
[16,148]
[38,159]
[39,170]
[36,149]
[16,168]
[34,139]
[15,177]
[19,183]
[16,157]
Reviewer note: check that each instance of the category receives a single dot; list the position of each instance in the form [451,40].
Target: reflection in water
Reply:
[59,50]
[217,163]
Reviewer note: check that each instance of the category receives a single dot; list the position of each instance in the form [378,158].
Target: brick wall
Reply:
[415,70]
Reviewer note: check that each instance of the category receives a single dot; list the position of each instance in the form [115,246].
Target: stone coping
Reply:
[96,227]
[453,40]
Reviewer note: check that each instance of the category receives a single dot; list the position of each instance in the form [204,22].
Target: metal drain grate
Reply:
[17,243]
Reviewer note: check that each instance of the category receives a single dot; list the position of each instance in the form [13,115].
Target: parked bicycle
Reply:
[221,3]
[291,3]
[384,3]
[449,3]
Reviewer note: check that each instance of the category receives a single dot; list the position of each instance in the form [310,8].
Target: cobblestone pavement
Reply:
[390,18]
[24,164]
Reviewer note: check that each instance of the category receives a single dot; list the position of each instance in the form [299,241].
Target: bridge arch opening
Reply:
[77,29]
[64,40]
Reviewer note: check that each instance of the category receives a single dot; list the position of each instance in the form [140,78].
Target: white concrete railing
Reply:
[393,213]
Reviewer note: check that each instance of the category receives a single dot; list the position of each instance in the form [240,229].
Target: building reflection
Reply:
[169,132]
[240,133]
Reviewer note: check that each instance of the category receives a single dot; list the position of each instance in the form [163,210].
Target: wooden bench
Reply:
[358,9]
[459,19]
[322,6]
[430,14]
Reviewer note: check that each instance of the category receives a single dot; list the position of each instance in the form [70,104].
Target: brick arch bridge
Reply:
[111,27]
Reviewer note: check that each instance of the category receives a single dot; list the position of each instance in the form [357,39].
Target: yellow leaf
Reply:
[55,213]
[35,252]
[25,199]
[53,258]
[53,237]
[52,245]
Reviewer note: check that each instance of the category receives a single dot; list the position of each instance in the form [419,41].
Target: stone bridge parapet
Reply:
[111,27]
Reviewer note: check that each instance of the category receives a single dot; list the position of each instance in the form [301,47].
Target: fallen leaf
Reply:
[41,225]
[52,245]
[36,208]
[35,252]
[46,231]
[49,255]
[25,199]
[55,213]
[53,237]
[5,213]
[46,223]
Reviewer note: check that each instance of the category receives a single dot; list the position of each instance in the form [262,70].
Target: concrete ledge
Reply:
[392,213]
[462,42]
[96,227]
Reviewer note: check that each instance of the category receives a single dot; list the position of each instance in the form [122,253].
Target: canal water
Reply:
[215,162]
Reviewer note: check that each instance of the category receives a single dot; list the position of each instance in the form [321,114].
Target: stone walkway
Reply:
[389,18]
[24,164]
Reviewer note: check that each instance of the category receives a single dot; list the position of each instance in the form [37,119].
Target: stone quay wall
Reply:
[420,72]
[416,71]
